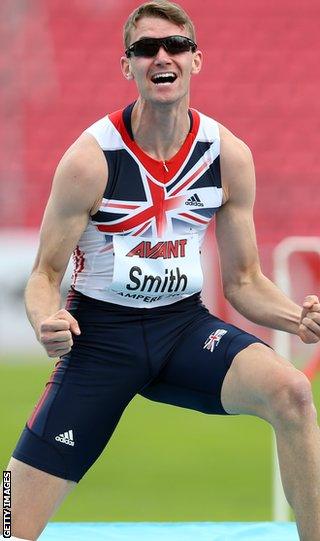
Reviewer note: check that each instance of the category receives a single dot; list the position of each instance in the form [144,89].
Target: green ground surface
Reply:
[162,463]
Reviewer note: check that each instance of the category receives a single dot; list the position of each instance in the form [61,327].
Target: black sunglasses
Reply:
[149,47]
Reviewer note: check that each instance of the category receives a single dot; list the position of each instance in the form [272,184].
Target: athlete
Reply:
[131,199]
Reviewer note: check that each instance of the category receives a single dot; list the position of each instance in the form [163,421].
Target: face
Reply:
[144,71]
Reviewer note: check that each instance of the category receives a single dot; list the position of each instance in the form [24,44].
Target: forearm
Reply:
[42,299]
[260,301]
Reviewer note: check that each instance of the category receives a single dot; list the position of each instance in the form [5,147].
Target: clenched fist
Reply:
[309,327]
[55,333]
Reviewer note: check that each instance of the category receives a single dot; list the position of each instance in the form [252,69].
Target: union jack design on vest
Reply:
[161,207]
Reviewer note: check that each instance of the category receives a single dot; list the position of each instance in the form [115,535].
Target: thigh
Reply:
[257,375]
[194,373]
[84,399]
[36,495]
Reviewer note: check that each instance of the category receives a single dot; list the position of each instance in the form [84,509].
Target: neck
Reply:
[160,131]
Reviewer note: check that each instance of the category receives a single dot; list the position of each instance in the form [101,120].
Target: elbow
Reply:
[45,276]
[230,291]
[235,293]
[240,284]
[230,287]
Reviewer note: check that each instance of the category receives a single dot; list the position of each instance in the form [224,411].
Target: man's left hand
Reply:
[309,326]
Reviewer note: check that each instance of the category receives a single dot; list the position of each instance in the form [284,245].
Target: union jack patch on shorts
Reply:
[213,339]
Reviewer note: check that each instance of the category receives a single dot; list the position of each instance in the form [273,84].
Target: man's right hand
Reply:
[55,333]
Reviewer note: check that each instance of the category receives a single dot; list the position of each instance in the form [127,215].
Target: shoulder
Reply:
[82,171]
[233,149]
[84,157]
[237,169]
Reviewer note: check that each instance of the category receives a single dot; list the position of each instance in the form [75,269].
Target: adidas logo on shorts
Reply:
[66,437]
[194,200]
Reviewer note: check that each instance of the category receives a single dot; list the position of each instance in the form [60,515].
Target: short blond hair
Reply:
[162,9]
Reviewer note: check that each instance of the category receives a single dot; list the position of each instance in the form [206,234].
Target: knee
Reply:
[290,400]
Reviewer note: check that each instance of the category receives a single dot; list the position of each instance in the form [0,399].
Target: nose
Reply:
[162,56]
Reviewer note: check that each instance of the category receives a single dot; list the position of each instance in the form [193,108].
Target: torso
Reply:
[141,247]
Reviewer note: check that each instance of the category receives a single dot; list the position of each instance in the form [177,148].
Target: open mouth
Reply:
[164,78]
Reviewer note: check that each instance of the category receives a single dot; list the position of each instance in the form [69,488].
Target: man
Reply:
[131,199]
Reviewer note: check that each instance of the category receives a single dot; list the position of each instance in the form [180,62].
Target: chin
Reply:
[167,98]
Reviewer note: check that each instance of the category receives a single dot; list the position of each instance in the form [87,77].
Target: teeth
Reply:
[162,76]
[169,74]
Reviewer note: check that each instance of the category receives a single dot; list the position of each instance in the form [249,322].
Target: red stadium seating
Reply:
[260,78]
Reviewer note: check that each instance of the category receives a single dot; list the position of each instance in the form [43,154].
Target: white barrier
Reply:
[18,251]
[282,344]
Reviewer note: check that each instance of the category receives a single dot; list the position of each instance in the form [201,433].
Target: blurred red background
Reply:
[60,72]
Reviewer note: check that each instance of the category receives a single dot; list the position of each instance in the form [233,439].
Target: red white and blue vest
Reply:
[141,248]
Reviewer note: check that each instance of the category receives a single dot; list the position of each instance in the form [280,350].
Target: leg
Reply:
[221,372]
[35,497]
[75,417]
[261,383]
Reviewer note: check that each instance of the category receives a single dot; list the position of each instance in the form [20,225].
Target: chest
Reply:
[158,202]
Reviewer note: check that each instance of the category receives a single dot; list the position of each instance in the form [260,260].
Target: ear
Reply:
[126,68]
[196,62]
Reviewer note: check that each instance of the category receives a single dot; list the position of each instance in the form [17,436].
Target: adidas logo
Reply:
[194,200]
[66,437]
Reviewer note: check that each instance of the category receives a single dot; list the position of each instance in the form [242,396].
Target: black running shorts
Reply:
[178,354]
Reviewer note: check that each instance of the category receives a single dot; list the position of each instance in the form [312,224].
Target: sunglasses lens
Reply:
[149,47]
[177,44]
[146,47]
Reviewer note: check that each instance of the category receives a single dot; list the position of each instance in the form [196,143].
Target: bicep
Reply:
[60,231]
[237,243]
[234,224]
[77,184]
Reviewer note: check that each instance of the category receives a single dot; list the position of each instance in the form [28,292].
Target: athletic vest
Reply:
[142,247]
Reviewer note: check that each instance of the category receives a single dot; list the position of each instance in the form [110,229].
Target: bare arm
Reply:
[245,286]
[76,192]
